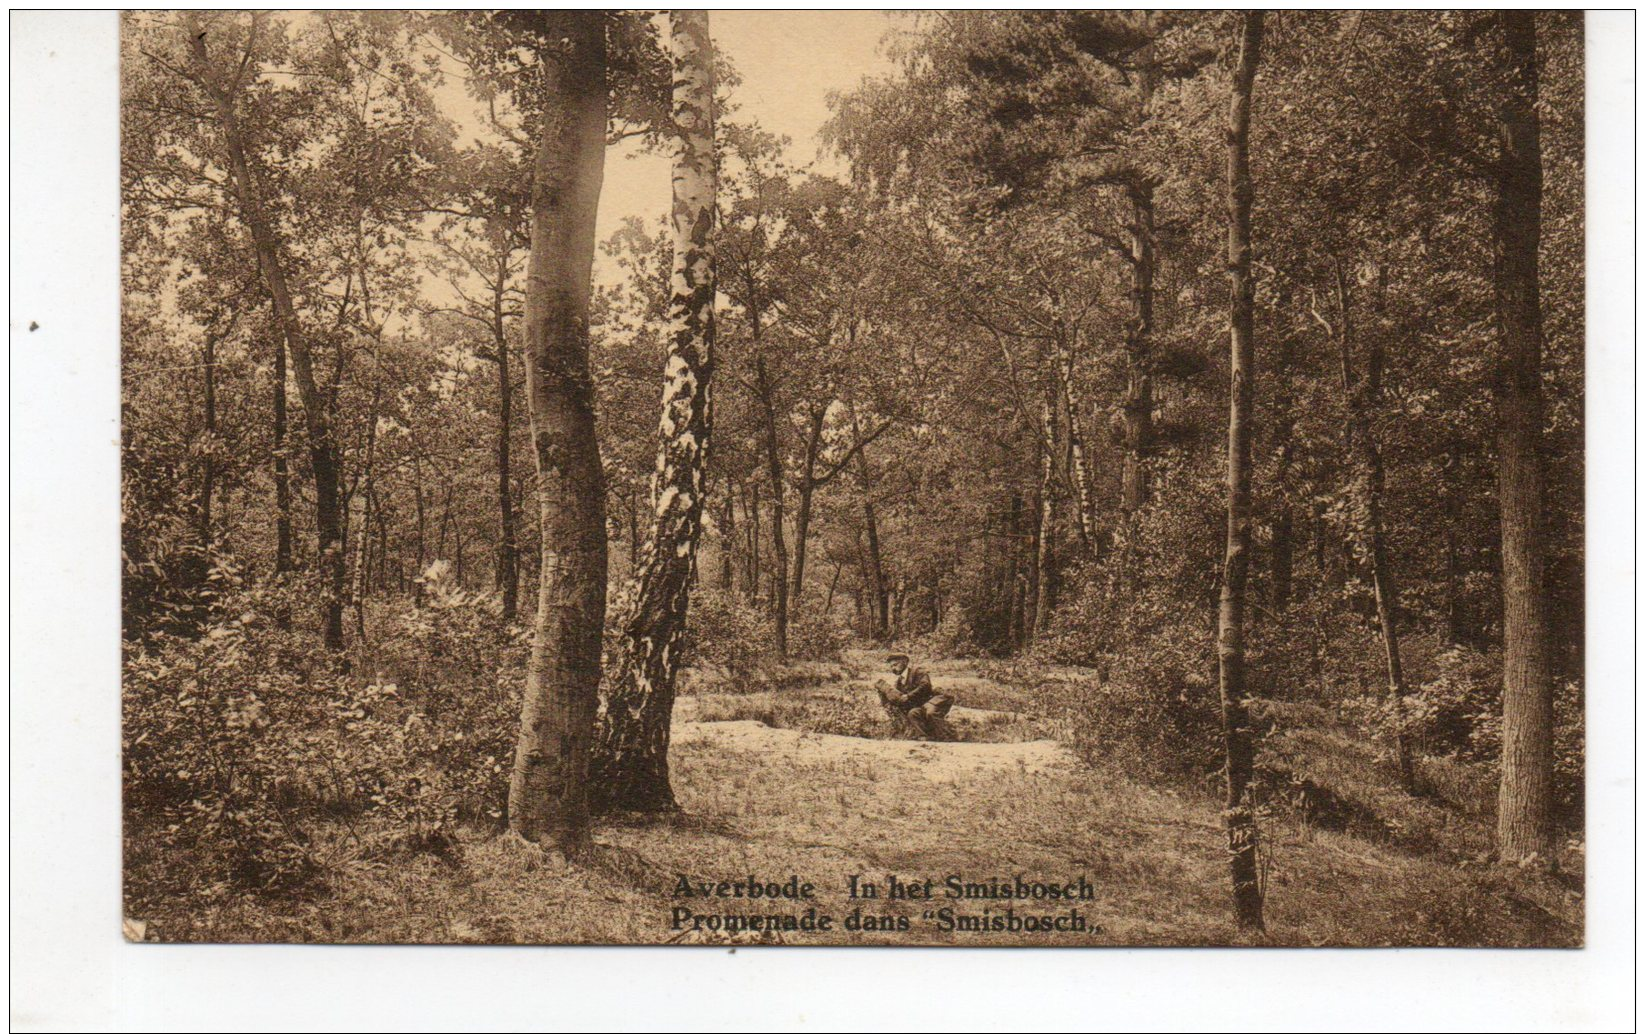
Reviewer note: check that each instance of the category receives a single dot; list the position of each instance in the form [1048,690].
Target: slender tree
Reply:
[1138,408]
[879,590]
[630,763]
[548,794]
[1362,395]
[1239,812]
[488,253]
[508,547]
[325,455]
[766,388]
[282,472]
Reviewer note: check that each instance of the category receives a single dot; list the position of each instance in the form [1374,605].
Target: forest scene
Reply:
[1042,477]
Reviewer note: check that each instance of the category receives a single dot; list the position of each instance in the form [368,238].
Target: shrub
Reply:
[815,636]
[247,747]
[727,634]
[1156,714]
[463,668]
[231,744]
[1457,712]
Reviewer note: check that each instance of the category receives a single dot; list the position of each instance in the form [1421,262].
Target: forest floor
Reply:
[763,796]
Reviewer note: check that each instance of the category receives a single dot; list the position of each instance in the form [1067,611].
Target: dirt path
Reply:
[940,762]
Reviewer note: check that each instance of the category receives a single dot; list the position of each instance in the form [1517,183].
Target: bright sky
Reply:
[789,61]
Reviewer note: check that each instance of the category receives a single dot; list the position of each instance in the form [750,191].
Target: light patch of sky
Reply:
[789,62]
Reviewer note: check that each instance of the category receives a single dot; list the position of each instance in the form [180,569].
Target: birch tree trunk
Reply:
[629,768]
[1239,813]
[548,794]
[751,505]
[1045,539]
[1525,828]
[208,459]
[1079,469]
[728,543]
[362,553]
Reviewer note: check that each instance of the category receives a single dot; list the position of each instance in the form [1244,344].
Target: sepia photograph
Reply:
[854,478]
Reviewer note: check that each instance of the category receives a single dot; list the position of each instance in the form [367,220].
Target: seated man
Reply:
[913,698]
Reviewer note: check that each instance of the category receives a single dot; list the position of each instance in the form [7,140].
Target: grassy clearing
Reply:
[765,796]
[850,710]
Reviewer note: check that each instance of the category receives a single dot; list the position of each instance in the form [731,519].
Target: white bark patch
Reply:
[665,501]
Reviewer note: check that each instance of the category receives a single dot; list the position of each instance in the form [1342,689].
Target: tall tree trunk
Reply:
[362,554]
[422,537]
[1239,812]
[548,795]
[728,542]
[362,565]
[808,487]
[324,453]
[1085,508]
[751,502]
[879,599]
[1138,411]
[1525,827]
[208,459]
[774,470]
[879,584]
[1139,385]
[282,472]
[629,767]
[1031,581]
[1361,396]
[1044,589]
[508,563]
[1011,585]
[382,548]
[1282,555]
